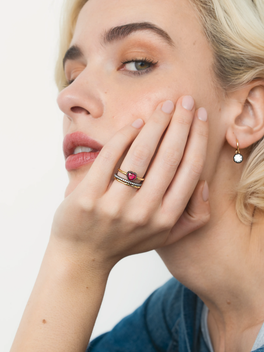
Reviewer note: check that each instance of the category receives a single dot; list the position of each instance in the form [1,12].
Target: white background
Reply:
[32,174]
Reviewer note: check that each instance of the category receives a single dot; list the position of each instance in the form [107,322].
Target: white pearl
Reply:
[238,158]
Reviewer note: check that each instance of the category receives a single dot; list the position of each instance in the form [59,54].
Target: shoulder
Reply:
[148,328]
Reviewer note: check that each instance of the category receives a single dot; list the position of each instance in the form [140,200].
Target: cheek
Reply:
[140,102]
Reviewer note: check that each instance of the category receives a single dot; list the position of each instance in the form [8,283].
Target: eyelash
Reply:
[152,64]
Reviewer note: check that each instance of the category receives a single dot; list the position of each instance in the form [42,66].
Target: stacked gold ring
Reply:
[131,176]
[133,173]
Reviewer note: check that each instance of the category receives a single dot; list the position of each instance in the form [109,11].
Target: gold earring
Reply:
[238,158]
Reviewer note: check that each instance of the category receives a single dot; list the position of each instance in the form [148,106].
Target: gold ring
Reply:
[131,176]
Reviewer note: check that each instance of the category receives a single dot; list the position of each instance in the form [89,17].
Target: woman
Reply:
[146,81]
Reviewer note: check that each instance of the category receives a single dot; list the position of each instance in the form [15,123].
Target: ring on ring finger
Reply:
[131,176]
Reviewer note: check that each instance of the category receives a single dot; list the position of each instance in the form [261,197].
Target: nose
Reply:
[82,97]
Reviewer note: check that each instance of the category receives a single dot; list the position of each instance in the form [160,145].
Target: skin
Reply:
[116,96]
[221,262]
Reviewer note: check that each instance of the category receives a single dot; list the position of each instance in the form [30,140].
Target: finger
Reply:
[98,178]
[170,152]
[190,169]
[195,216]
[144,146]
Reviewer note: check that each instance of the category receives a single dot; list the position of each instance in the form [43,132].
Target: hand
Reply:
[103,220]
[195,216]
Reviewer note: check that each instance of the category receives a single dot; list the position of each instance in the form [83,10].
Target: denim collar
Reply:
[186,333]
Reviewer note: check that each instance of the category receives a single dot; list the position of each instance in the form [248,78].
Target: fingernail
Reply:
[205,192]
[202,114]
[138,123]
[188,102]
[168,107]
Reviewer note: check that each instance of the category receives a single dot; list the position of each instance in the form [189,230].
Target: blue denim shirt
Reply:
[168,321]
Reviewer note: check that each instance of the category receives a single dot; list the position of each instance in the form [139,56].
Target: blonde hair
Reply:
[235,30]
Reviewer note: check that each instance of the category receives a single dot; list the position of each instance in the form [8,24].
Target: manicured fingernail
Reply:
[188,102]
[168,107]
[202,114]
[205,192]
[138,123]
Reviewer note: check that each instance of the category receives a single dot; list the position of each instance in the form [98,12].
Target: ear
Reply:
[247,115]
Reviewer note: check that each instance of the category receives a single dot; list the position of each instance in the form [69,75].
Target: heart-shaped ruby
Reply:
[131,175]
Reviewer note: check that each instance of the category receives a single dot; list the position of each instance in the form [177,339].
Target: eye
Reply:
[134,66]
[68,83]
[138,66]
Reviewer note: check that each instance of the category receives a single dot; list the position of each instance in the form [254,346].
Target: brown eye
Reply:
[139,66]
[142,65]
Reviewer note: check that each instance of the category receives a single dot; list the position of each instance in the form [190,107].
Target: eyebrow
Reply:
[118,33]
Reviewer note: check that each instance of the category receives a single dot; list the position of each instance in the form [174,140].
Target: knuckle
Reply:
[140,155]
[198,220]
[159,119]
[112,212]
[196,167]
[125,133]
[107,154]
[184,119]
[165,223]
[139,219]
[86,205]
[202,131]
[171,158]
[203,219]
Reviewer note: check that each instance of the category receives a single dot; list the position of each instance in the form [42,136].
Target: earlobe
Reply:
[247,126]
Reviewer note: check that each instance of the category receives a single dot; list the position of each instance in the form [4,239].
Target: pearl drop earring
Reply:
[238,158]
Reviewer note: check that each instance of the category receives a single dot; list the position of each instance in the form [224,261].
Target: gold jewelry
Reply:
[127,183]
[131,176]
[238,158]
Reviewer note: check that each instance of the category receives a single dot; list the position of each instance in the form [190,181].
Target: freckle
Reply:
[44,321]
[228,302]
[220,109]
[194,42]
[87,288]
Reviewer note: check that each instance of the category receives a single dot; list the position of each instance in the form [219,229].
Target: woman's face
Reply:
[111,90]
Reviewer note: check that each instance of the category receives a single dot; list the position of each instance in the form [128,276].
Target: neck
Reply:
[223,264]
[233,291]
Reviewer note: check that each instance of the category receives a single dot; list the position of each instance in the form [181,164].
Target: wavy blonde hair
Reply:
[235,30]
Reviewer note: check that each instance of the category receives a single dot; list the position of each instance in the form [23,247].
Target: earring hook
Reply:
[238,158]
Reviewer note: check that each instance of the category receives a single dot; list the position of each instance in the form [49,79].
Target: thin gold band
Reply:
[238,151]
[125,173]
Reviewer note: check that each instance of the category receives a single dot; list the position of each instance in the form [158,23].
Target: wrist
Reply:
[63,305]
[76,261]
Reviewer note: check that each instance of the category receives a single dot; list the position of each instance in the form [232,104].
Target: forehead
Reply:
[177,17]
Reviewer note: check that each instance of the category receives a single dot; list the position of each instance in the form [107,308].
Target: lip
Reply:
[73,140]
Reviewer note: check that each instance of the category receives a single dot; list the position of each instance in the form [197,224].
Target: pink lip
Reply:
[73,140]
